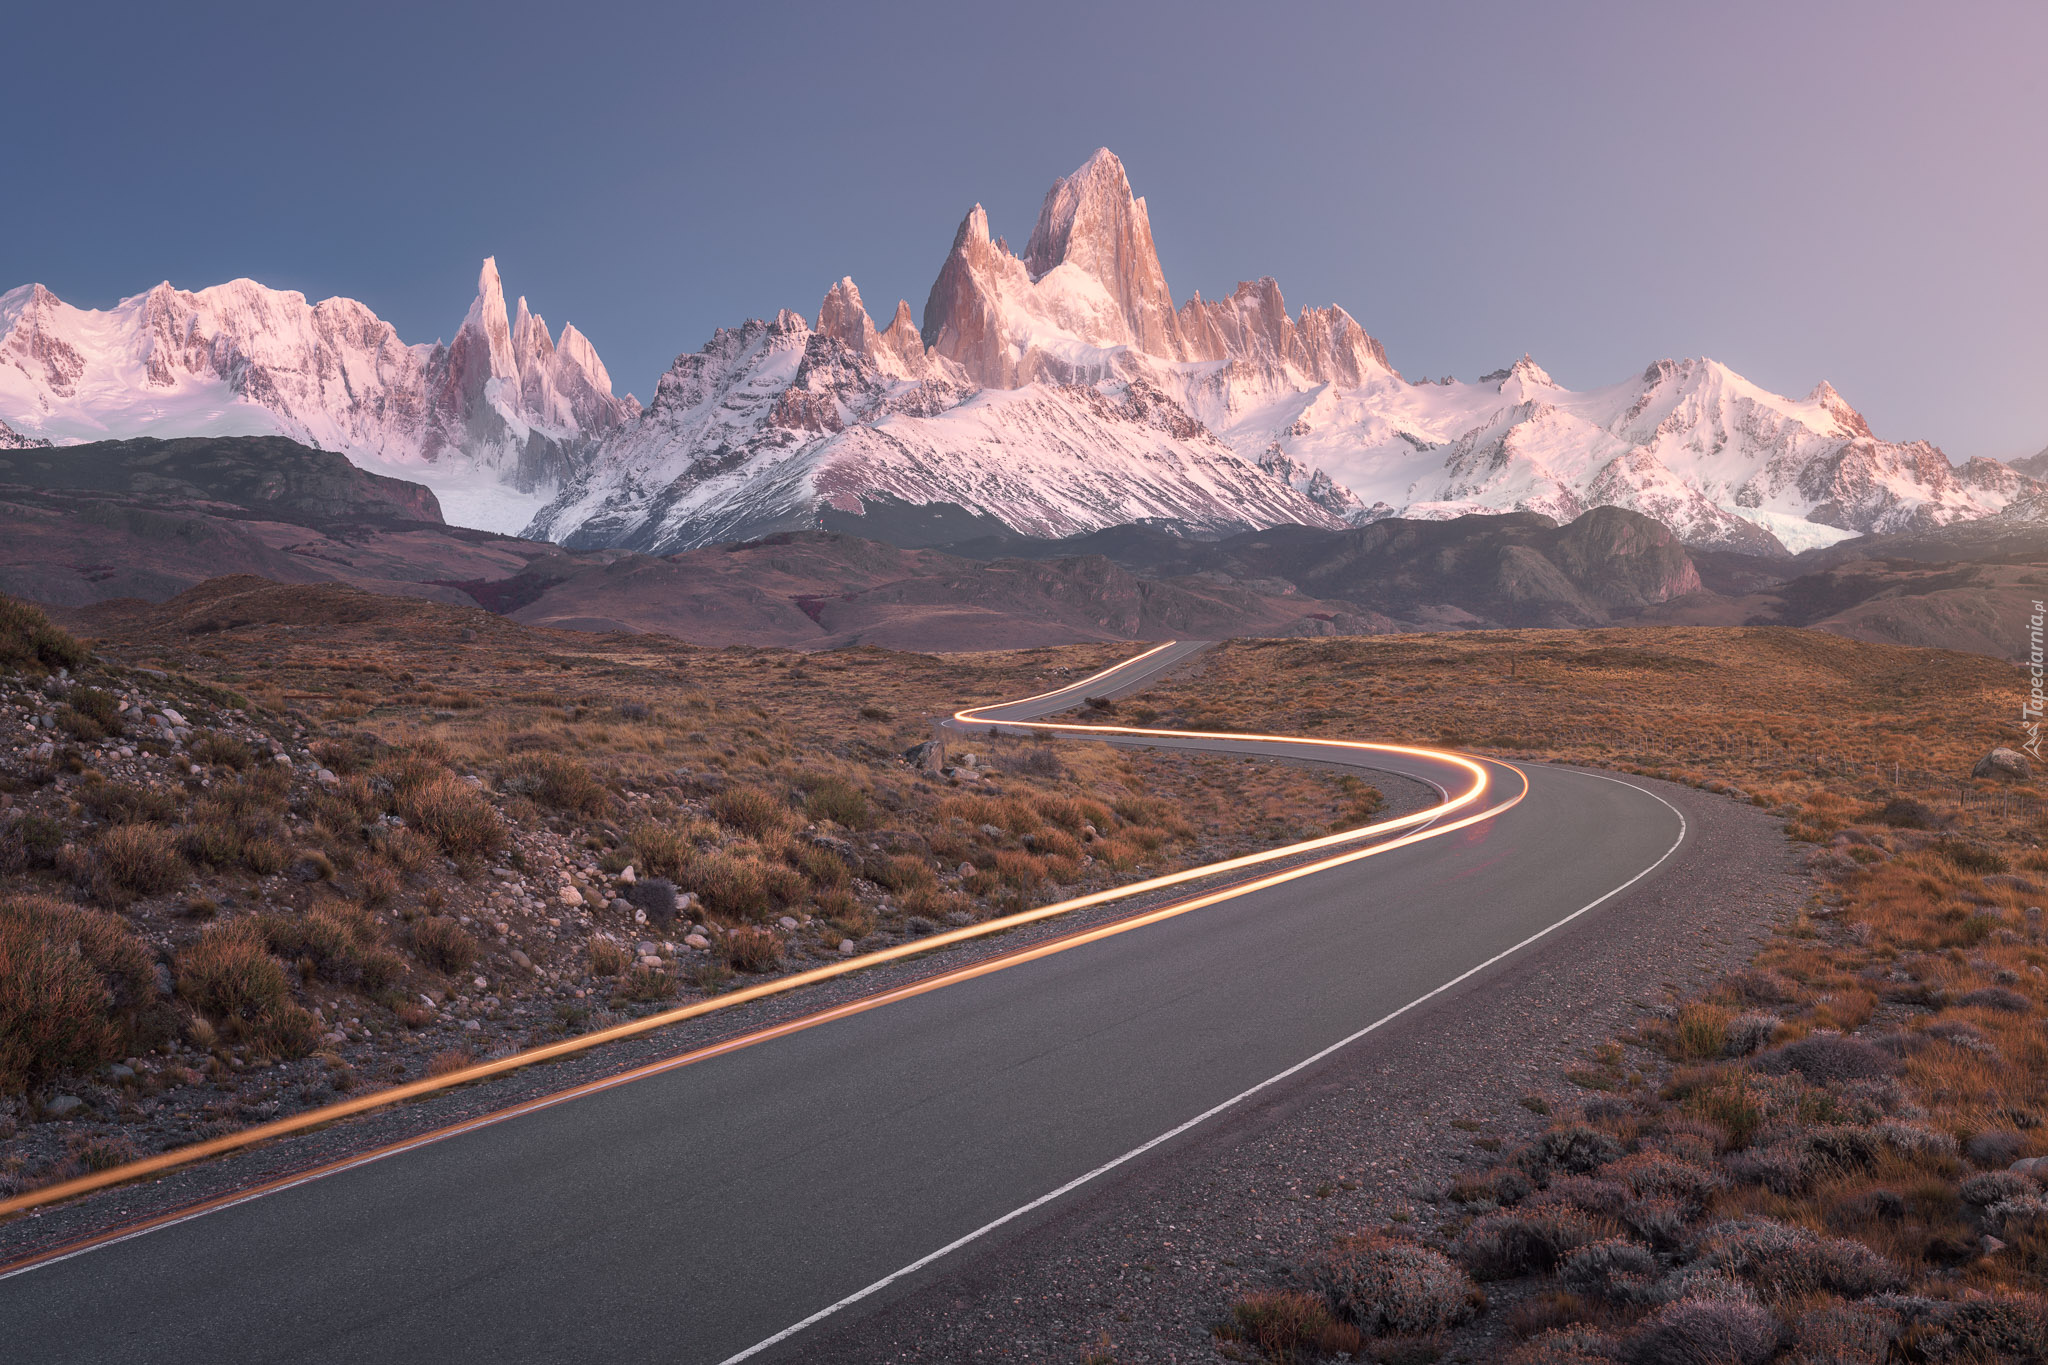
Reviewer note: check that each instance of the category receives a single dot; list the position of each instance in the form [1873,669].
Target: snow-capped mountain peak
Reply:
[491,421]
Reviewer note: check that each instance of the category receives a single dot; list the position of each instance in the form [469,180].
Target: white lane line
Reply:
[1078,1181]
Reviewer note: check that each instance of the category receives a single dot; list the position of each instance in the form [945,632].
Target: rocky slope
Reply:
[493,420]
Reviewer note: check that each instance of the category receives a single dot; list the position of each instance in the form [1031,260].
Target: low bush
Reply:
[660,850]
[730,887]
[230,977]
[750,810]
[1525,1241]
[335,942]
[752,950]
[73,985]
[557,782]
[834,799]
[1288,1326]
[124,803]
[444,945]
[1824,1057]
[454,813]
[1784,1262]
[1614,1270]
[1705,1332]
[1574,1149]
[142,859]
[29,842]
[608,958]
[29,642]
[656,896]
[220,750]
[1389,1286]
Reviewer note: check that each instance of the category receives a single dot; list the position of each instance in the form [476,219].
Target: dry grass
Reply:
[229,976]
[73,985]
[1815,1134]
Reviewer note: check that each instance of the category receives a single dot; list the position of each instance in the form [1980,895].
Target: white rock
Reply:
[570,896]
[627,876]
[846,947]
[696,941]
[787,921]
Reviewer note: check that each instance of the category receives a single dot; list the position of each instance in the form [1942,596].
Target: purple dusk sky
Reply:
[1856,192]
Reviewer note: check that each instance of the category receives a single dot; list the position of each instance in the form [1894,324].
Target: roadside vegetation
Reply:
[1829,1156]
[266,846]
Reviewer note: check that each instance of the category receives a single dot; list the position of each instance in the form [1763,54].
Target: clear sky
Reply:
[1855,191]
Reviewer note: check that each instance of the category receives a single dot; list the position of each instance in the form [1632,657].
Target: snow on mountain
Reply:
[10,439]
[772,422]
[1060,389]
[492,422]
[1056,391]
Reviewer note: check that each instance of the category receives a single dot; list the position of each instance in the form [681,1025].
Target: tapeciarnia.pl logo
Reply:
[2030,709]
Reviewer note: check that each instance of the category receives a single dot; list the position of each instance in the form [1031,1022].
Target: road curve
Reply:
[703,1213]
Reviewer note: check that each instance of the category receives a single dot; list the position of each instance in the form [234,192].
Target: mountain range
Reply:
[1048,394]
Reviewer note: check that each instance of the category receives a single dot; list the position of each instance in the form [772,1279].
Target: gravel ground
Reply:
[42,1230]
[1140,1268]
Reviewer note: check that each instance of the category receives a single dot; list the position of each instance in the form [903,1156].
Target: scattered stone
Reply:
[696,941]
[120,1072]
[63,1107]
[787,921]
[521,960]
[846,947]
[2008,764]
[628,876]
[929,756]
[570,896]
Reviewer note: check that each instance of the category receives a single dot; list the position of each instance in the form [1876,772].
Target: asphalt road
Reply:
[691,1215]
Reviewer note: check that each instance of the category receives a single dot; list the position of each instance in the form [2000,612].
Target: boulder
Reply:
[929,756]
[2009,764]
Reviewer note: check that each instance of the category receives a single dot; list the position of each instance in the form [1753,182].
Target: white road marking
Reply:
[1078,1181]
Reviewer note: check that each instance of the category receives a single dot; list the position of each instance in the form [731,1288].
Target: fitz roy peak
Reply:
[1061,391]
[492,421]
[1056,392]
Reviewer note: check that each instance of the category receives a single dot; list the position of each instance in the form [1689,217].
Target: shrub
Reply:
[29,641]
[1574,1149]
[1655,1175]
[643,985]
[750,810]
[1384,1285]
[1523,1241]
[1287,1326]
[1975,1326]
[143,859]
[752,950]
[1844,1334]
[338,942]
[558,782]
[1824,1057]
[444,945]
[73,983]
[450,1061]
[1995,998]
[729,886]
[230,976]
[1970,857]
[1994,1187]
[900,872]
[1995,1147]
[124,803]
[1036,761]
[608,958]
[1784,1262]
[221,750]
[656,896]
[30,841]
[454,813]
[1751,1032]
[831,798]
[661,850]
[1700,1032]
[1903,812]
[1705,1332]
[1614,1270]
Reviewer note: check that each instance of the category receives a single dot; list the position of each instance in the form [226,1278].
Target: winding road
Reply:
[715,1211]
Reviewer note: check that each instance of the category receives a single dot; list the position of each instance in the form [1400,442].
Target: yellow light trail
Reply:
[315,1118]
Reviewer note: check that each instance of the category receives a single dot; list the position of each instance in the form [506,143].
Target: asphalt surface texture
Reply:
[693,1215]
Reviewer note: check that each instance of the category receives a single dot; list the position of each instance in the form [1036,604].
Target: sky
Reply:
[1803,191]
